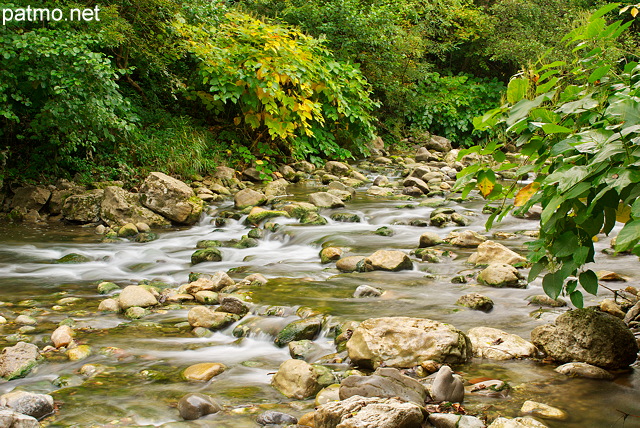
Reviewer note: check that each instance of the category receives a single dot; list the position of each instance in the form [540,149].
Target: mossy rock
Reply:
[208,243]
[307,328]
[246,242]
[384,231]
[313,219]
[146,237]
[73,258]
[345,217]
[107,287]
[261,216]
[206,255]
[256,233]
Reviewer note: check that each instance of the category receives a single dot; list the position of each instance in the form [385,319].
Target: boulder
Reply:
[584,370]
[307,328]
[203,372]
[366,291]
[489,252]
[134,295]
[202,316]
[120,207]
[206,255]
[35,405]
[500,275]
[525,422]
[233,305]
[543,411]
[447,387]
[16,361]
[213,282]
[325,200]
[465,239]
[329,254]
[450,420]
[11,419]
[590,336]
[438,144]
[171,198]
[296,379]
[336,168]
[30,198]
[276,418]
[422,154]
[249,198]
[378,191]
[416,182]
[406,342]
[62,336]
[429,239]
[386,383]
[388,260]
[276,188]
[349,263]
[361,412]
[304,166]
[224,172]
[476,301]
[499,345]
[194,406]
[83,208]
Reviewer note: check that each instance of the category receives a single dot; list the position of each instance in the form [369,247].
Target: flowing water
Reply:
[141,361]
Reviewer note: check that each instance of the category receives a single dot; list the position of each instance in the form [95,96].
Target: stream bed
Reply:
[141,361]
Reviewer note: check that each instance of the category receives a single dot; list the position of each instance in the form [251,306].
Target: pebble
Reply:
[62,336]
[543,411]
[203,372]
[276,418]
[194,406]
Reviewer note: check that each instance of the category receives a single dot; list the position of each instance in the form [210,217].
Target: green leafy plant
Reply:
[577,126]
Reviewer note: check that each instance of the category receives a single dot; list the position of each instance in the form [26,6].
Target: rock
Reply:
[388,260]
[107,287]
[450,420]
[416,182]
[611,307]
[303,349]
[632,314]
[304,166]
[206,255]
[384,231]
[25,320]
[307,328]
[337,168]
[203,372]
[378,191]
[73,258]
[171,198]
[233,305]
[516,423]
[109,305]
[476,301]
[35,405]
[366,291]
[406,342]
[590,336]
[465,239]
[325,200]
[430,239]
[544,300]
[439,144]
[255,279]
[62,336]
[18,360]
[134,295]
[128,230]
[120,207]
[30,198]
[500,275]
[381,181]
[11,419]
[194,406]
[296,379]
[252,174]
[201,316]
[136,312]
[447,387]
[329,254]
[345,217]
[348,264]
[607,275]
[385,383]
[224,172]
[365,412]
[249,198]
[258,215]
[83,208]
[215,282]
[499,345]
[276,418]
[79,353]
[584,370]
[493,252]
[412,191]
[543,411]
[422,155]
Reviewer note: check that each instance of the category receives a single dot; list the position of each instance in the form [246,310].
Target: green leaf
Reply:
[577,299]
[552,128]
[552,284]
[517,89]
[535,271]
[628,236]
[580,255]
[589,281]
[598,73]
[604,10]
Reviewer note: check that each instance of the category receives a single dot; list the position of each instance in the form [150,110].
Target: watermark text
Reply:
[37,14]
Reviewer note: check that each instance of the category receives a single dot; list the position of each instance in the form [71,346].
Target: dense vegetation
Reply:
[180,86]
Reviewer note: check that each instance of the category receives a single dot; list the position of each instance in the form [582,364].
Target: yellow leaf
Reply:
[623,213]
[259,162]
[526,193]
[634,12]
[237,120]
[486,183]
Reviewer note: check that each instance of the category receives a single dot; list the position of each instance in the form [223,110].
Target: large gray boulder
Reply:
[499,345]
[336,168]
[325,200]
[589,336]
[30,198]
[276,188]
[27,403]
[171,198]
[500,275]
[439,144]
[406,342]
[248,198]
[386,383]
[493,252]
[83,208]
[389,260]
[466,239]
[11,419]
[361,412]
[16,361]
[120,207]
[134,295]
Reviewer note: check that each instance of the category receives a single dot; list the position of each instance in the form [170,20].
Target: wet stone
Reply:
[233,305]
[27,403]
[16,361]
[203,372]
[194,406]
[276,418]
